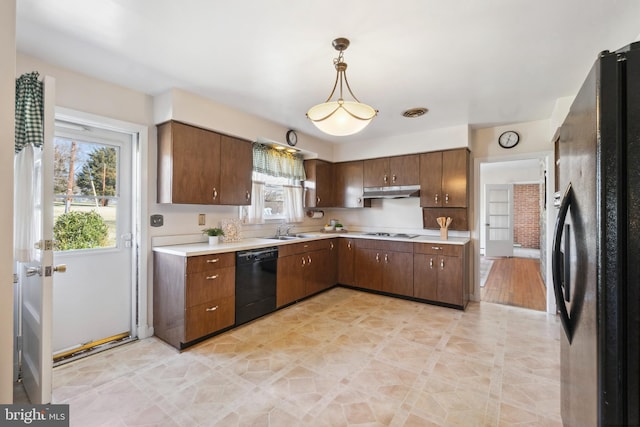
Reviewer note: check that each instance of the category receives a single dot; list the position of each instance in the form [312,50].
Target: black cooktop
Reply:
[384,234]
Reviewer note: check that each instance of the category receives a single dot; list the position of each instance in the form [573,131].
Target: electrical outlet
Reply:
[202,219]
[157,220]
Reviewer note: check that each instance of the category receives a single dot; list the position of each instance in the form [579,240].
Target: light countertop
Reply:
[203,248]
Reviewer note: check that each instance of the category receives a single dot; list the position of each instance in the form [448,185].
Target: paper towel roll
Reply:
[315,214]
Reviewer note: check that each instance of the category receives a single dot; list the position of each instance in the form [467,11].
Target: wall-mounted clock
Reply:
[292,138]
[509,139]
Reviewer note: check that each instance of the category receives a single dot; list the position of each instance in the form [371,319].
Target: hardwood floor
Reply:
[515,281]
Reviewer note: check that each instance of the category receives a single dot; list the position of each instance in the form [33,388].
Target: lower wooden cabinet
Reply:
[305,269]
[385,266]
[346,261]
[192,296]
[440,273]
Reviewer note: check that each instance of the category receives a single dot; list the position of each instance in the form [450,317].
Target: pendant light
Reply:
[340,117]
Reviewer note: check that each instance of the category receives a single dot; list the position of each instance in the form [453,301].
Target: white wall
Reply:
[7,115]
[433,140]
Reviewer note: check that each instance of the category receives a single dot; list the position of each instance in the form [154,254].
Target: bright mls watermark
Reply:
[34,415]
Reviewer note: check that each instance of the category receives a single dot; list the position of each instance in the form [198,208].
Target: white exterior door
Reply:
[36,279]
[499,220]
[93,302]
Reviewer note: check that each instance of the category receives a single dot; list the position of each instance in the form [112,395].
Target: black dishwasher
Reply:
[255,283]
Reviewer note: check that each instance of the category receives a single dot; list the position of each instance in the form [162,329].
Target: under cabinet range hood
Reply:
[391,192]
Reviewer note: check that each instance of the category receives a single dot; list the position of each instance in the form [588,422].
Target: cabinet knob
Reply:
[215,193]
[359,200]
[211,308]
[215,276]
[446,198]
[436,198]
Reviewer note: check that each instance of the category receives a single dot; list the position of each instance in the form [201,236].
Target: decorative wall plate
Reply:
[232,228]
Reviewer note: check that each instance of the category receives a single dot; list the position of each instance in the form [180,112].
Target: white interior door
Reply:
[93,302]
[499,220]
[36,277]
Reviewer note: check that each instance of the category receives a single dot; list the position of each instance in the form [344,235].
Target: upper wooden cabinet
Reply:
[444,179]
[236,166]
[198,166]
[349,184]
[389,171]
[319,184]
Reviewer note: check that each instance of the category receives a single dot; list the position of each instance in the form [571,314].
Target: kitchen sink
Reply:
[284,237]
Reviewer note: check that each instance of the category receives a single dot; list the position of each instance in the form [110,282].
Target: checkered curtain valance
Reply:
[29,111]
[278,163]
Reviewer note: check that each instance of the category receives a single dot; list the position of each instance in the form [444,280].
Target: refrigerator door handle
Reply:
[560,263]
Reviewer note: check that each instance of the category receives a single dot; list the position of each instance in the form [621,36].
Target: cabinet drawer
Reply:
[199,263]
[304,247]
[209,317]
[438,249]
[384,245]
[210,285]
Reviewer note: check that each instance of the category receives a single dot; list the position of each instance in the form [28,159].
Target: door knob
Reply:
[61,268]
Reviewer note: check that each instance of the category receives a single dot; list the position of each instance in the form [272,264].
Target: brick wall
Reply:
[526,215]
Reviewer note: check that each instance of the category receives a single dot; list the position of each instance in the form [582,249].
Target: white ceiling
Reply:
[481,63]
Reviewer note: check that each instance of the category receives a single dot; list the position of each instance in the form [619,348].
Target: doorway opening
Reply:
[512,264]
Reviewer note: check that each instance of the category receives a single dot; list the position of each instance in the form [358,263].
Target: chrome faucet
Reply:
[283,226]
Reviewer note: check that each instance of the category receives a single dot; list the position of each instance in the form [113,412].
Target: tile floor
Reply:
[342,358]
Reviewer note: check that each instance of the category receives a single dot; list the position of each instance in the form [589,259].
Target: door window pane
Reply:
[86,194]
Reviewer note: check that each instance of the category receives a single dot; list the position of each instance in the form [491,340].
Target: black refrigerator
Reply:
[596,247]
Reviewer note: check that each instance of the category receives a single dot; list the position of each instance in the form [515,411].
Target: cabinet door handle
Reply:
[317,200]
[377,257]
[393,178]
[431,263]
[304,262]
[436,248]
[442,264]
[211,308]
[309,258]
[215,276]
[385,179]
[349,245]
[215,193]
[359,200]
[436,198]
[248,193]
[446,198]
[212,261]
[331,245]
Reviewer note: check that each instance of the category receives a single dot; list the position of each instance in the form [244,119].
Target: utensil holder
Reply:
[444,233]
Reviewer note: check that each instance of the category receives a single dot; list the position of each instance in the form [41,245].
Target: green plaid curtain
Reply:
[278,163]
[29,111]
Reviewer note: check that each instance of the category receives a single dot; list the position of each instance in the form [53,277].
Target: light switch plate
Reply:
[202,219]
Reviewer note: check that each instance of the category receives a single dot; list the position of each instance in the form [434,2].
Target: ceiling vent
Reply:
[412,113]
